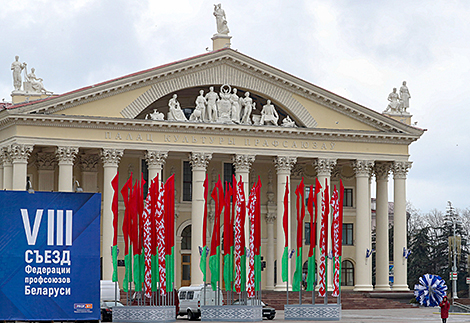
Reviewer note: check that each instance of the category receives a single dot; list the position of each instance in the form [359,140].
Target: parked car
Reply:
[191,299]
[268,311]
[107,310]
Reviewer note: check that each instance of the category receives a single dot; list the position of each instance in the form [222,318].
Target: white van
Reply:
[192,298]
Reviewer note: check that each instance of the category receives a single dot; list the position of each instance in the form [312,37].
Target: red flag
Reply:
[134,215]
[126,222]
[313,222]
[204,220]
[285,218]
[170,230]
[250,286]
[341,198]
[114,206]
[227,221]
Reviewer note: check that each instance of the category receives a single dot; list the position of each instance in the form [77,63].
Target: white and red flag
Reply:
[160,229]
[325,211]
[240,239]
[147,218]
[335,226]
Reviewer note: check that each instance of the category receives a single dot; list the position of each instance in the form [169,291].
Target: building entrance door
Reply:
[186,269]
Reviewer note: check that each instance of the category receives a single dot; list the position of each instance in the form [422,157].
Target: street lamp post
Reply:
[454,222]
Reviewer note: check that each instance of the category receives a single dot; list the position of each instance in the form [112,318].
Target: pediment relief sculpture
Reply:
[227,106]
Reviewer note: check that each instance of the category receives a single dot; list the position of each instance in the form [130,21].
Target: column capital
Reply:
[400,169]
[362,168]
[271,217]
[89,163]
[382,170]
[199,161]
[45,161]
[66,154]
[111,157]
[284,163]
[324,166]
[20,152]
[6,155]
[242,162]
[156,158]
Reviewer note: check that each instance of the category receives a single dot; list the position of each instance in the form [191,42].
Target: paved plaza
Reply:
[387,316]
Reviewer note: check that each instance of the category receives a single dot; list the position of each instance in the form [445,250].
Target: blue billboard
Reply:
[49,256]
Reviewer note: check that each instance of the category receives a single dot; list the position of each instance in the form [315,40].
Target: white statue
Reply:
[394,105]
[236,106]
[404,97]
[249,106]
[175,112]
[224,105]
[35,83]
[219,14]
[288,122]
[211,99]
[155,115]
[200,110]
[269,114]
[17,67]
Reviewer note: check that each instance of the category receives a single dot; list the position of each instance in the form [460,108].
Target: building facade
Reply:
[220,113]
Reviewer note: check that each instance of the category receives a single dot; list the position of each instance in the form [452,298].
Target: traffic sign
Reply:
[453,275]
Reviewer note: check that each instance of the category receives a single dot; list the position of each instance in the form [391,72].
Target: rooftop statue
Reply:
[211,99]
[17,67]
[404,97]
[219,14]
[288,122]
[200,110]
[224,104]
[249,106]
[394,105]
[155,115]
[269,114]
[236,106]
[175,112]
[34,84]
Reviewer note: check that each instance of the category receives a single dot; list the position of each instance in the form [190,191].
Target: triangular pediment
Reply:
[135,96]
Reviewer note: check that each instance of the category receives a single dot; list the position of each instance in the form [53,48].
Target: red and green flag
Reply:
[114,209]
[135,237]
[311,203]
[285,226]
[228,239]
[337,228]
[214,257]
[299,192]
[170,232]
[203,261]
[126,192]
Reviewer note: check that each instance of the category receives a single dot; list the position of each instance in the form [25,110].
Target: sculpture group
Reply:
[223,107]
[32,84]
[399,102]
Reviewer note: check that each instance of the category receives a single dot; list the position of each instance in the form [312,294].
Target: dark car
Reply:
[268,311]
[107,310]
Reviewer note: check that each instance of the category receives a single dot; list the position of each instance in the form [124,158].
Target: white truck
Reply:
[192,298]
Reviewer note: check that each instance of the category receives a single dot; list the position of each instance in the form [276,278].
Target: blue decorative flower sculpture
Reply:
[430,291]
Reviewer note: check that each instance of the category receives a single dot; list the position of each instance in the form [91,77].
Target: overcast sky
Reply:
[357,49]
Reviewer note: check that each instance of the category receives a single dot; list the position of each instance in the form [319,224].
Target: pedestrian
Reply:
[445,305]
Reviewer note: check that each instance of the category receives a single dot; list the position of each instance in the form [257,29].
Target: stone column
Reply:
[45,164]
[199,162]
[7,168]
[324,168]
[363,270]
[155,161]
[19,156]
[400,169]
[110,159]
[66,156]
[1,170]
[283,166]
[270,218]
[89,172]
[382,171]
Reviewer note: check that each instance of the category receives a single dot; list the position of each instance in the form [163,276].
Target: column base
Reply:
[363,288]
[282,288]
[269,287]
[400,288]
[382,287]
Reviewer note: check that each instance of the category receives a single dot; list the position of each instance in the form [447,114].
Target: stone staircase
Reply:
[349,300]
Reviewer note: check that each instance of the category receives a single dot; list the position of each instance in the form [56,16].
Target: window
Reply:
[187,181]
[347,273]
[186,238]
[348,197]
[307,232]
[229,171]
[347,234]
[183,295]
[190,295]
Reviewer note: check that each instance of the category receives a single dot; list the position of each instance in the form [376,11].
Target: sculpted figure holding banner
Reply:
[211,99]
[269,114]
[17,67]
[404,97]
[219,14]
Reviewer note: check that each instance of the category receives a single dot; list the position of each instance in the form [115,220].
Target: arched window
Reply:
[347,273]
[186,238]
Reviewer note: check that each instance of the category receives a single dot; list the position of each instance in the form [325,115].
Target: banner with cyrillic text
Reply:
[49,256]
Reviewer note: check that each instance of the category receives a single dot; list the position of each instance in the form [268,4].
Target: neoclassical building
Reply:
[255,121]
